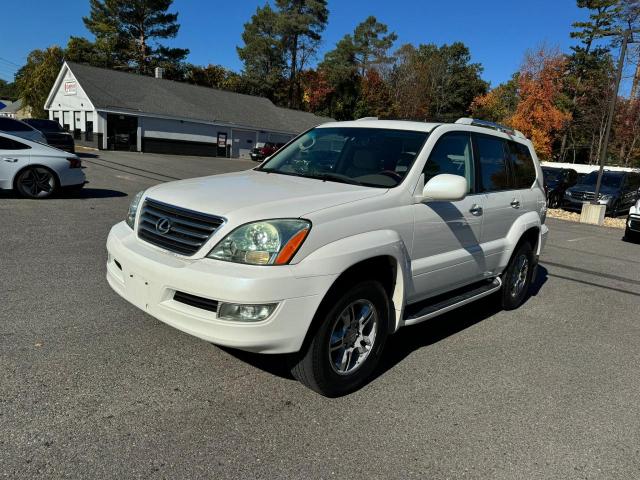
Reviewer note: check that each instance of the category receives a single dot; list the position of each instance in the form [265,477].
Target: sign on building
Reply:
[70,87]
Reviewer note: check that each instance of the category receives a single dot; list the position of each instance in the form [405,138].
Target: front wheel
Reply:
[36,182]
[351,331]
[516,279]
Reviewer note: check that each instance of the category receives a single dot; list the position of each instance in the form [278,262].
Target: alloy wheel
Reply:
[36,182]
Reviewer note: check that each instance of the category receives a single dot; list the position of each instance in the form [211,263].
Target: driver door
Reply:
[446,250]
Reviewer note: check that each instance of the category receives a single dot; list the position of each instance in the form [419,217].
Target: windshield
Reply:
[613,180]
[552,175]
[372,157]
[45,125]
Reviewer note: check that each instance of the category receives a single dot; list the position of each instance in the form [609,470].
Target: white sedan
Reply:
[36,170]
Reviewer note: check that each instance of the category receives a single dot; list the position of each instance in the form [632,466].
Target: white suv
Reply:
[349,232]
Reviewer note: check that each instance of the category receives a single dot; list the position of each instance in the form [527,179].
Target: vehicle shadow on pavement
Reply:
[87,155]
[406,340]
[83,194]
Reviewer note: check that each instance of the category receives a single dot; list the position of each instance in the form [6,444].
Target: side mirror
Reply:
[445,188]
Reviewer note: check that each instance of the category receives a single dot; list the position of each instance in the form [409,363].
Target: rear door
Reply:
[14,155]
[503,203]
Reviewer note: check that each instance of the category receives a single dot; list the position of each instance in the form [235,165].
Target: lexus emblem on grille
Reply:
[163,225]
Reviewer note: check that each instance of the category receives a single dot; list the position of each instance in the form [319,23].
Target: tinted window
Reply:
[609,179]
[494,172]
[44,125]
[524,170]
[367,156]
[452,154]
[634,181]
[11,125]
[8,144]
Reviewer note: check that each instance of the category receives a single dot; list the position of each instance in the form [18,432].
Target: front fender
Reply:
[338,256]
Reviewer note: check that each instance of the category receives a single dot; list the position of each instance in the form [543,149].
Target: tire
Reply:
[325,365]
[516,279]
[631,236]
[36,182]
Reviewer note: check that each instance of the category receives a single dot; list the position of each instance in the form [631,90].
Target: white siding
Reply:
[181,130]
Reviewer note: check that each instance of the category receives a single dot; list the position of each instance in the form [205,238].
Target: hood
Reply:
[254,195]
[605,190]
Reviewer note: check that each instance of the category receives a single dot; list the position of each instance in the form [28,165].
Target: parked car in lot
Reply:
[556,181]
[21,129]
[632,229]
[618,191]
[53,132]
[36,170]
[350,232]
[264,150]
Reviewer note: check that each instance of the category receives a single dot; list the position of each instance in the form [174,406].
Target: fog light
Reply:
[245,313]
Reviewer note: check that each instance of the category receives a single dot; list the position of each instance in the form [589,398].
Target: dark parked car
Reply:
[556,182]
[618,191]
[56,135]
[264,150]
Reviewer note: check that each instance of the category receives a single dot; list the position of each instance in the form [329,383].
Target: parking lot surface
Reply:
[91,387]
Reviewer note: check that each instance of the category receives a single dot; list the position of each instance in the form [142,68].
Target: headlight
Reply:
[133,209]
[272,242]
[606,197]
[567,193]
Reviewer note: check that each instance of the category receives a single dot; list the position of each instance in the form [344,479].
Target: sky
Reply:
[498,32]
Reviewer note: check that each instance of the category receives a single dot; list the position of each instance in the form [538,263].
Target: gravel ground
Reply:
[617,222]
[91,387]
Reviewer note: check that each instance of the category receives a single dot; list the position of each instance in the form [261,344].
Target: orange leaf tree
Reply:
[538,113]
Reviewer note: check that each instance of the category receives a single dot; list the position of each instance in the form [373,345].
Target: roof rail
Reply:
[494,126]
[366,118]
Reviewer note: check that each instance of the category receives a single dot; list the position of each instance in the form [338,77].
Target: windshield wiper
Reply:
[336,178]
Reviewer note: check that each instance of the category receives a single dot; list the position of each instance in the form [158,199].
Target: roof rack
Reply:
[494,126]
[366,118]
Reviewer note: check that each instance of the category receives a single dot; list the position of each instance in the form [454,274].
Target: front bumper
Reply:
[148,278]
[633,222]
[576,205]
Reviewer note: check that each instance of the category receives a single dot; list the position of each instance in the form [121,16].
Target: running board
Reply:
[432,307]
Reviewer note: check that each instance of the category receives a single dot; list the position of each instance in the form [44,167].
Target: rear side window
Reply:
[494,170]
[8,144]
[452,154]
[10,125]
[524,170]
[634,181]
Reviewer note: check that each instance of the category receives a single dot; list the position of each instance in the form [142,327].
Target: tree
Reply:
[8,90]
[300,24]
[131,29]
[371,43]
[499,104]
[82,50]
[540,86]
[36,78]
[214,76]
[431,82]
[263,54]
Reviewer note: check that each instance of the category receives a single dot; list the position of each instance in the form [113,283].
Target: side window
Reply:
[8,144]
[494,170]
[524,170]
[634,181]
[452,154]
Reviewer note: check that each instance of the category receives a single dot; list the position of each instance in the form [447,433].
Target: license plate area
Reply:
[137,288]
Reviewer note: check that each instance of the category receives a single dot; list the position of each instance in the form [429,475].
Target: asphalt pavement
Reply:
[91,387]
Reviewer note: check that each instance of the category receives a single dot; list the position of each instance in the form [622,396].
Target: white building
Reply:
[108,109]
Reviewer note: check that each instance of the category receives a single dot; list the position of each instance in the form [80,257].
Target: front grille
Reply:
[583,195]
[195,301]
[187,230]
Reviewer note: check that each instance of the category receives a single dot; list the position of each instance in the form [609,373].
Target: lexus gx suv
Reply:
[348,233]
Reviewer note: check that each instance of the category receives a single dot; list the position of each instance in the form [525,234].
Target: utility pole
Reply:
[626,39]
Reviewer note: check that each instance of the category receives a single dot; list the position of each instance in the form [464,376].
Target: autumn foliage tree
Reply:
[540,88]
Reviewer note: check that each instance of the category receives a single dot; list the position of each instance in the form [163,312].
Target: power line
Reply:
[10,62]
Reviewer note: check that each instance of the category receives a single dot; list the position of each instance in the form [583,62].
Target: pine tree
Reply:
[372,43]
[131,30]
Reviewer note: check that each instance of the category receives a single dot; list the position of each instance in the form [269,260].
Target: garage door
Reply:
[243,142]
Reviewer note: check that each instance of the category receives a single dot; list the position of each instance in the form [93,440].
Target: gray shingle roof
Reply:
[114,90]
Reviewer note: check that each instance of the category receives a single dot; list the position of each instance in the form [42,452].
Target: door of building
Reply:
[122,132]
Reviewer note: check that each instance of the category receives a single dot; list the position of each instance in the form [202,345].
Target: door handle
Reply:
[10,159]
[475,209]
[515,203]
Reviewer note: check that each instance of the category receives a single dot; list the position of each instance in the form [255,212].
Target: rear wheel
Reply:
[36,182]
[516,279]
[348,341]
